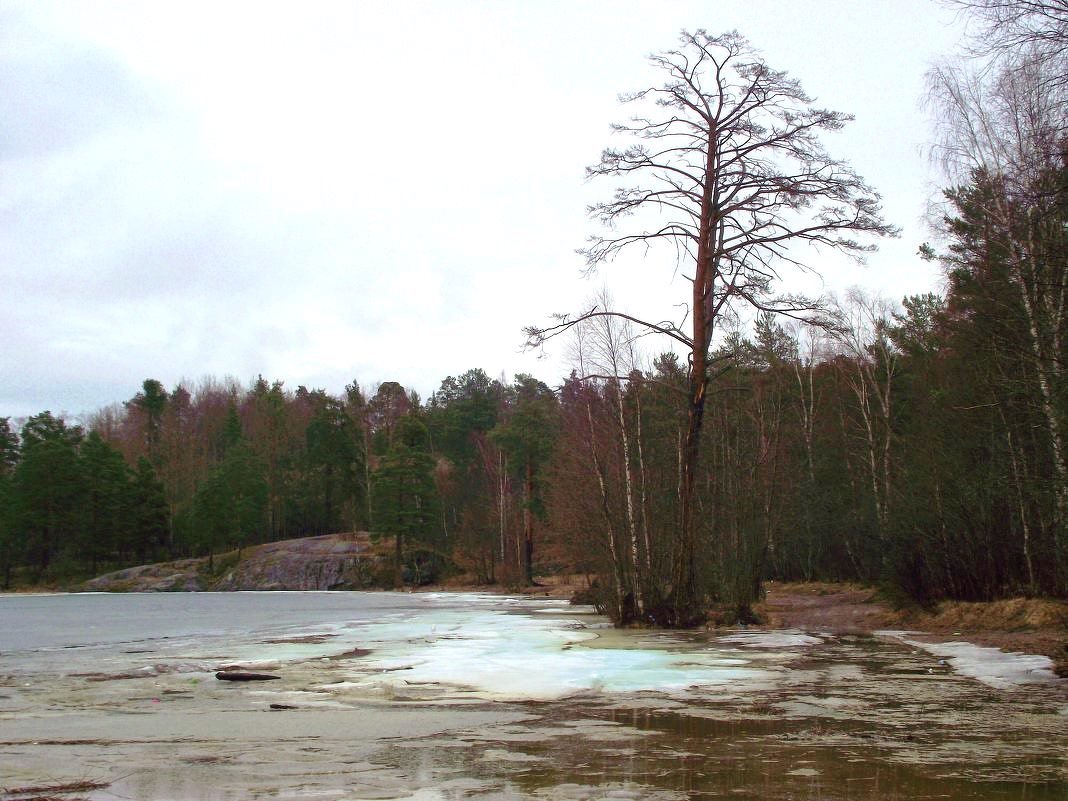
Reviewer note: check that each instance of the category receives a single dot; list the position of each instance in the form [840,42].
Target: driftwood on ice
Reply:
[241,675]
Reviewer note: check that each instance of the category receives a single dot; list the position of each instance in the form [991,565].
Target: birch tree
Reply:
[862,331]
[1004,30]
[610,345]
[1001,136]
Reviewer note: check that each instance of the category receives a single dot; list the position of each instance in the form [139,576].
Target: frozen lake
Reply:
[457,696]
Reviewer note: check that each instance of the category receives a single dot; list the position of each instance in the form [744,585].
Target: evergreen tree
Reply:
[10,543]
[149,515]
[388,406]
[460,409]
[50,490]
[527,436]
[107,522]
[151,402]
[9,447]
[334,471]
[230,506]
[405,503]
[272,435]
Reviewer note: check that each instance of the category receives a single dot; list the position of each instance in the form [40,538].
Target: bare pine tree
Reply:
[725,167]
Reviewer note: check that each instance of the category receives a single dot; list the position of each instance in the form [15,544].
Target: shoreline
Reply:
[1015,625]
[386,705]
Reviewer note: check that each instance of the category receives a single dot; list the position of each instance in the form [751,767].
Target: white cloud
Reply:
[369,191]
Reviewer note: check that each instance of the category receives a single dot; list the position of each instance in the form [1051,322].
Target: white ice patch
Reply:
[771,639]
[422,794]
[567,610]
[529,657]
[992,666]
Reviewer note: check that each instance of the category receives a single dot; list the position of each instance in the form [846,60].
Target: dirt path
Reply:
[838,608]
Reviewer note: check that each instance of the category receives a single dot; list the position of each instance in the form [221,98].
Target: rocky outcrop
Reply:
[329,562]
[185,575]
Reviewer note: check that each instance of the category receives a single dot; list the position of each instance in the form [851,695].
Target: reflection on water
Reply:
[637,748]
[441,698]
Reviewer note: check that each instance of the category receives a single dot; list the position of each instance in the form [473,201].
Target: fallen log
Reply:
[240,675]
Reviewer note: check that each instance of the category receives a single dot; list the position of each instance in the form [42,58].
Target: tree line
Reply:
[893,446]
[920,444]
[198,470]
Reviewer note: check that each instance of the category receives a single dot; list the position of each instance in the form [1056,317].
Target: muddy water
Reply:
[465,697]
[853,718]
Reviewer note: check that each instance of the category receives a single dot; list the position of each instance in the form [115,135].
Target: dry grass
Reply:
[818,588]
[1013,614]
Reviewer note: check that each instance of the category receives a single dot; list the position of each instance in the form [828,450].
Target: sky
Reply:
[335,191]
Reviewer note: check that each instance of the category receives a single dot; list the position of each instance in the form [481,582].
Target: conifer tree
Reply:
[404,498]
[107,511]
[50,489]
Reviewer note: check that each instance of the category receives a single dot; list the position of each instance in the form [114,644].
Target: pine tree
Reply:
[10,543]
[149,515]
[230,507]
[527,436]
[404,499]
[49,488]
[107,477]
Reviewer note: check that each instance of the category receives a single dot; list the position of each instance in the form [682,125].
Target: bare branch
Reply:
[536,336]
[1007,31]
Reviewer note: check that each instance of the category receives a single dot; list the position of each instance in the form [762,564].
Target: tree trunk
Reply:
[617,582]
[686,600]
[644,489]
[501,505]
[528,525]
[628,487]
[398,554]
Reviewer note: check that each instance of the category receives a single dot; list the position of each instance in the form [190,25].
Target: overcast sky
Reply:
[324,192]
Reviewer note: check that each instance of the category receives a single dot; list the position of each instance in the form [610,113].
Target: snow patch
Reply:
[1002,670]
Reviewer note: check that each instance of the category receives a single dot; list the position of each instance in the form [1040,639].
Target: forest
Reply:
[916,442]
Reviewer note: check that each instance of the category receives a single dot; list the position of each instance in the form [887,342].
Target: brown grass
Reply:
[1012,614]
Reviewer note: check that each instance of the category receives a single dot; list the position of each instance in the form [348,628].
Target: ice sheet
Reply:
[531,657]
